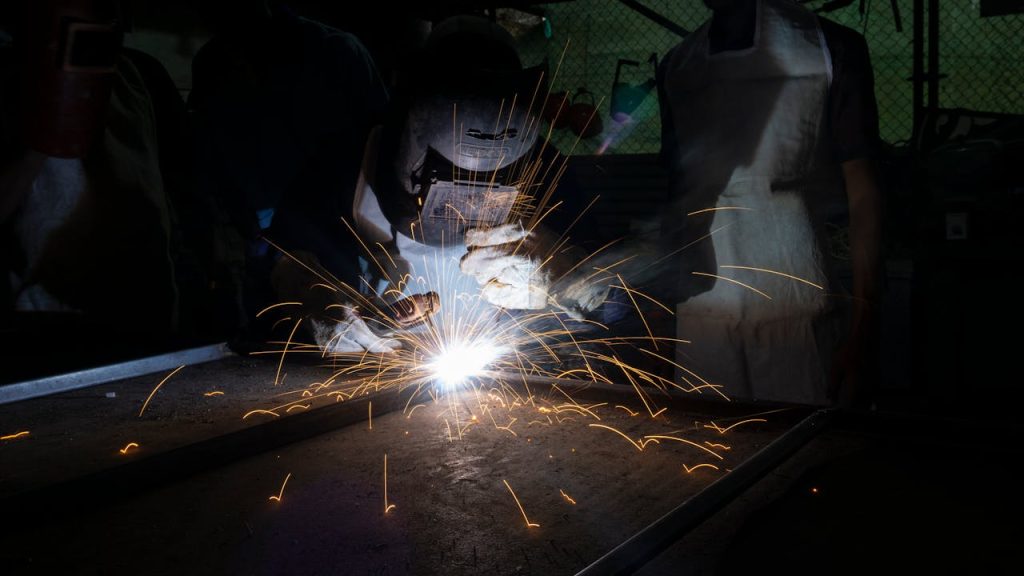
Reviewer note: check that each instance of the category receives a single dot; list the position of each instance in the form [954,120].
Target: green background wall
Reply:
[982,58]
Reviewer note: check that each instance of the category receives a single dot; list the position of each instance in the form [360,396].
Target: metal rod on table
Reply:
[94,376]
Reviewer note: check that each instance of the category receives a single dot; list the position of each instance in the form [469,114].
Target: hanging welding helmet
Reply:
[68,51]
[458,157]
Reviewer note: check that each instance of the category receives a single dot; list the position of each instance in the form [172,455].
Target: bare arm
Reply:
[851,371]
[865,235]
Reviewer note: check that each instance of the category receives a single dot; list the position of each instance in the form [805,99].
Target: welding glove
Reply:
[506,262]
[526,270]
[332,318]
[581,293]
[350,334]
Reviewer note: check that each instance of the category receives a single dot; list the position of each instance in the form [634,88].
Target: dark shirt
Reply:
[281,123]
[852,109]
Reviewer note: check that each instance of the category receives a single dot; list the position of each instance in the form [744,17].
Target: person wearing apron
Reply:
[757,186]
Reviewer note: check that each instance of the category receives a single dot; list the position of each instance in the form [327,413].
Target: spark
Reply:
[166,378]
[737,282]
[528,523]
[387,507]
[128,447]
[719,446]
[635,444]
[689,469]
[629,292]
[214,393]
[280,493]
[280,321]
[776,272]
[298,406]
[15,435]
[628,411]
[685,441]
[257,411]
[277,378]
[278,305]
[369,414]
[721,430]
[567,497]
[721,208]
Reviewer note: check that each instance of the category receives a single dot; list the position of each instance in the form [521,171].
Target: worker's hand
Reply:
[334,320]
[350,335]
[582,294]
[505,260]
[417,308]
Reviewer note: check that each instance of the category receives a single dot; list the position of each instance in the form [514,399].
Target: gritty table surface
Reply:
[587,469]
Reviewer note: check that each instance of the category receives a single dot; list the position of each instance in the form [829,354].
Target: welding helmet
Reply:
[456,158]
[69,51]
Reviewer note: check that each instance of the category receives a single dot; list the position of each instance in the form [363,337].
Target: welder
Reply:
[281,107]
[445,180]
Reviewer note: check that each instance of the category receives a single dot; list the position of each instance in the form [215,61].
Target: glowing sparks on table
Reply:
[166,378]
[280,493]
[387,507]
[519,504]
[721,430]
[259,411]
[690,469]
[15,435]
[128,447]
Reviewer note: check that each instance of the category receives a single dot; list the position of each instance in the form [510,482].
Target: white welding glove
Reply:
[333,319]
[504,261]
[350,335]
[582,295]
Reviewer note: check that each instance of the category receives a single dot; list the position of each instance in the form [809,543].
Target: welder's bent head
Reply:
[457,160]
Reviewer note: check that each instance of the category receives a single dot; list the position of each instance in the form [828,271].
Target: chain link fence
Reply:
[586,42]
[981,59]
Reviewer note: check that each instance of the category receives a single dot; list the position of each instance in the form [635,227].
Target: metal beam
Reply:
[657,18]
[94,376]
[629,556]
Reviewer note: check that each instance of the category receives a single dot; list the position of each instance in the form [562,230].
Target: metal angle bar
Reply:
[643,546]
[101,375]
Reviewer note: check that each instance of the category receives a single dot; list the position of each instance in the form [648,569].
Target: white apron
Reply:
[754,143]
